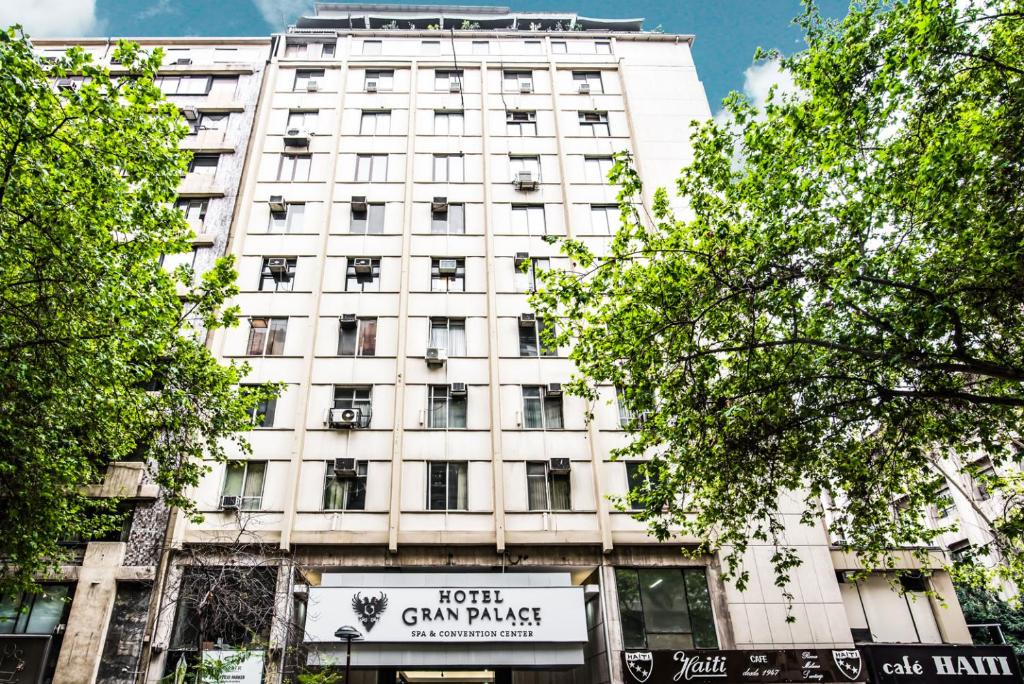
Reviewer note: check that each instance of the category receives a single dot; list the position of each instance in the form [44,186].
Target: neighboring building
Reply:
[92,621]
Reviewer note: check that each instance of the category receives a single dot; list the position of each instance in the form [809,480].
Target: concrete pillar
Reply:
[948,615]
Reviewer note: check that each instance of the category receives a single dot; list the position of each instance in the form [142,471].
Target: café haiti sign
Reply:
[402,614]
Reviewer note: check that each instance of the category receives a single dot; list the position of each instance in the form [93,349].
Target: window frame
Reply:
[304,76]
[294,219]
[541,351]
[250,502]
[449,116]
[515,127]
[291,162]
[441,394]
[526,215]
[385,79]
[592,128]
[376,116]
[274,334]
[550,481]
[372,163]
[544,404]
[692,580]
[536,264]
[449,221]
[373,220]
[280,284]
[446,169]
[361,279]
[461,496]
[512,80]
[357,482]
[450,283]
[434,323]
[359,346]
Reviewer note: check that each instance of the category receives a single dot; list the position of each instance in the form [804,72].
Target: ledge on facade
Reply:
[904,559]
[199,185]
[123,479]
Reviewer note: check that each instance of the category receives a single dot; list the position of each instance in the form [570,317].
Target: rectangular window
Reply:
[445,411]
[591,78]
[533,47]
[244,479]
[528,219]
[515,81]
[444,79]
[449,168]
[294,167]
[362,277]
[981,489]
[213,121]
[521,123]
[304,120]
[594,124]
[520,163]
[382,79]
[449,123]
[628,418]
[559,47]
[371,168]
[375,123]
[263,413]
[597,169]
[547,491]
[447,486]
[184,85]
[369,220]
[447,275]
[531,339]
[304,76]
[665,608]
[526,274]
[195,209]
[481,47]
[945,506]
[359,339]
[277,274]
[328,49]
[603,47]
[372,47]
[266,336]
[353,398]
[604,218]
[448,334]
[204,164]
[641,477]
[345,493]
[291,220]
[430,47]
[34,613]
[450,220]
[170,262]
[540,411]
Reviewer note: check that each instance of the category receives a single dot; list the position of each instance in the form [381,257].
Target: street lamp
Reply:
[349,634]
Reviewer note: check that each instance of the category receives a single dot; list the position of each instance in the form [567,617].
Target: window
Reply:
[981,489]
[533,47]
[354,398]
[526,274]
[449,123]
[592,78]
[294,167]
[170,262]
[447,487]
[597,169]
[359,339]
[547,491]
[266,336]
[665,608]
[481,47]
[431,47]
[195,209]
[358,279]
[30,613]
[641,478]
[369,220]
[603,47]
[449,168]
[210,121]
[263,413]
[383,78]
[531,339]
[528,219]
[275,277]
[372,47]
[445,411]
[184,85]
[559,47]
[445,78]
[375,123]
[328,49]
[447,282]
[530,164]
[296,50]
[304,76]
[204,164]
[345,493]
[371,168]
[305,120]
[521,123]
[944,505]
[514,81]
[628,418]
[245,479]
[448,334]
[291,220]
[540,411]
[451,219]
[604,218]
[594,124]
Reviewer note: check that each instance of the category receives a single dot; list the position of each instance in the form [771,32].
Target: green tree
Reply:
[90,324]
[981,606]
[838,305]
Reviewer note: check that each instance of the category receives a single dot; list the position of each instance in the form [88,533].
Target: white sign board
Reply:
[449,614]
[243,667]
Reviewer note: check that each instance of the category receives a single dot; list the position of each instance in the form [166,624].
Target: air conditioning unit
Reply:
[358,203]
[277,265]
[525,180]
[447,266]
[349,321]
[296,137]
[553,389]
[458,389]
[439,204]
[183,61]
[190,113]
[277,203]
[230,503]
[525,87]
[436,356]
[559,465]
[312,85]
[527,320]
[66,84]
[345,418]
[363,266]
[521,258]
[344,467]
[584,88]
[371,86]
[455,86]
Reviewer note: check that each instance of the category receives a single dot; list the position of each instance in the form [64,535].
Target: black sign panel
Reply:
[23,658]
[707,667]
[921,664]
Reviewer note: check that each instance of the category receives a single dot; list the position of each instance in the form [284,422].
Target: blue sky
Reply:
[728,31]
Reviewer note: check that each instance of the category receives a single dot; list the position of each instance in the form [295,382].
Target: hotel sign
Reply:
[457,614]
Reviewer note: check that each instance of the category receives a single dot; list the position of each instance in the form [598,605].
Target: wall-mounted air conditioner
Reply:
[584,88]
[447,266]
[230,503]
[525,180]
[439,204]
[296,137]
[277,265]
[521,258]
[371,86]
[277,203]
[349,321]
[527,320]
[344,418]
[436,356]
[362,266]
[458,389]
[553,389]
[358,203]
[559,465]
[312,85]
[344,467]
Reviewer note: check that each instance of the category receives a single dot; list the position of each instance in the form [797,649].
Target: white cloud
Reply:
[758,80]
[281,13]
[42,18]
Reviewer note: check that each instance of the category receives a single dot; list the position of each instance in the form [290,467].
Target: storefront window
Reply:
[665,608]
[34,613]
